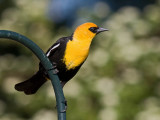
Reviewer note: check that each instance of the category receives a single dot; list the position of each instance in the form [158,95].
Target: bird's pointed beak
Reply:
[101,30]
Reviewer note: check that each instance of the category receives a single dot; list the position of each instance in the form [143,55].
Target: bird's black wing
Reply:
[50,52]
[56,52]
[53,48]
[59,44]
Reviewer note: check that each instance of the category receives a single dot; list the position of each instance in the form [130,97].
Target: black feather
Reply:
[31,85]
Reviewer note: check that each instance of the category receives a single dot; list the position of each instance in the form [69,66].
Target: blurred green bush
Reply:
[119,81]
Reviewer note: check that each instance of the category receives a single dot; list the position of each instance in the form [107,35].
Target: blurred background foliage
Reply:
[120,79]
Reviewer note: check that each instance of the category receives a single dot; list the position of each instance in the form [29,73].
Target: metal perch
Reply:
[60,99]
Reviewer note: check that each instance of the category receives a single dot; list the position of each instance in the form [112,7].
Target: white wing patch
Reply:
[53,49]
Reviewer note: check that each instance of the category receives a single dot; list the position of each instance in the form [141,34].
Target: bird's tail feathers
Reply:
[31,85]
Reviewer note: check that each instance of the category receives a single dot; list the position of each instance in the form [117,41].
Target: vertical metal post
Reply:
[60,99]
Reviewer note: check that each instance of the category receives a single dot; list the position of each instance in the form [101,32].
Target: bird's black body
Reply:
[55,55]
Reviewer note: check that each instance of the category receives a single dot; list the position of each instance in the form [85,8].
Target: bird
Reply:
[67,55]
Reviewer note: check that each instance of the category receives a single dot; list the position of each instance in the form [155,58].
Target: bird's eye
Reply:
[93,29]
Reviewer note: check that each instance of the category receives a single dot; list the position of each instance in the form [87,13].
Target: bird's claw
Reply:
[55,71]
[54,68]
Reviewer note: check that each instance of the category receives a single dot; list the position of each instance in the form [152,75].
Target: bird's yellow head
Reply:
[77,49]
[87,31]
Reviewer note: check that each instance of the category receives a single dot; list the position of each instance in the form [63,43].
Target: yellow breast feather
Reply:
[75,54]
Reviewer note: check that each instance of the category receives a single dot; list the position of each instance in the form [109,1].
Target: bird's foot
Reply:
[55,70]
[54,65]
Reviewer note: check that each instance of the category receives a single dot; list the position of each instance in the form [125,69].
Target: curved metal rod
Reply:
[60,99]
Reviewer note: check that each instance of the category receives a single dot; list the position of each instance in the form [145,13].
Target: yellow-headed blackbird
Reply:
[67,55]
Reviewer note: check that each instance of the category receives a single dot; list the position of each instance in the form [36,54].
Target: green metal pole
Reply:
[60,99]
